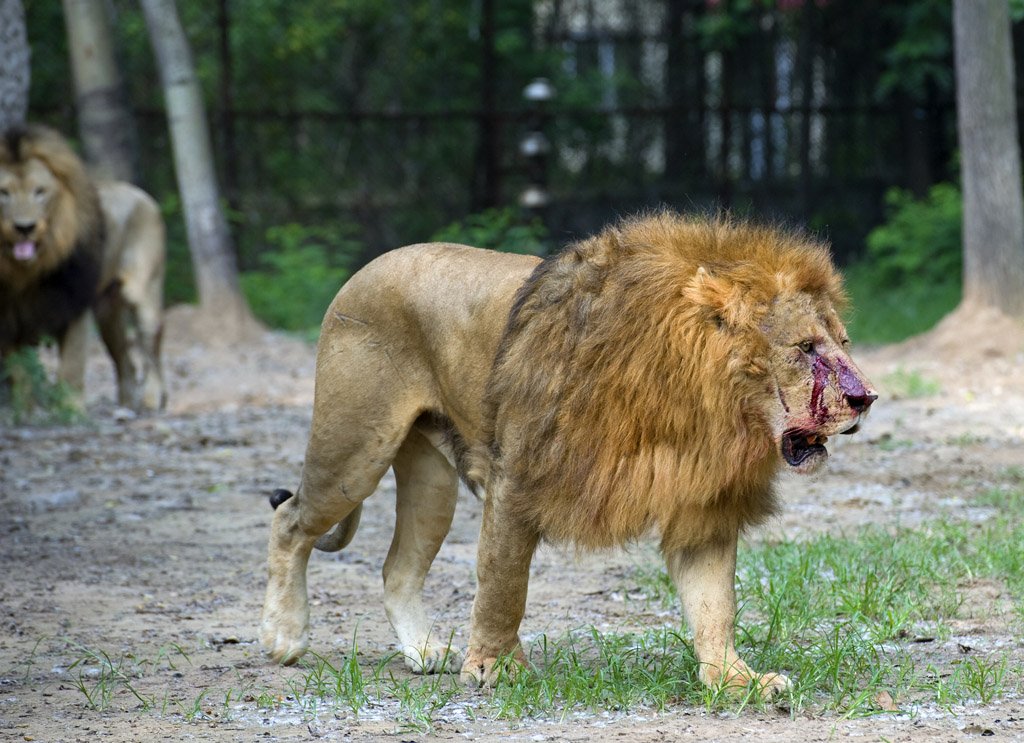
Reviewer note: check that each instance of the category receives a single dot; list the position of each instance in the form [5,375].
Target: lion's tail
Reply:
[334,540]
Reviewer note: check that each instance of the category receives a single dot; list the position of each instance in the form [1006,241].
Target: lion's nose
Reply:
[25,228]
[860,403]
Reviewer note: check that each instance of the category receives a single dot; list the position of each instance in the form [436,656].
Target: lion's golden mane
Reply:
[74,217]
[623,345]
[42,297]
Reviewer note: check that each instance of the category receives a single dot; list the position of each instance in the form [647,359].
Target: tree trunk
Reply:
[226,112]
[993,232]
[104,122]
[15,55]
[216,270]
[486,191]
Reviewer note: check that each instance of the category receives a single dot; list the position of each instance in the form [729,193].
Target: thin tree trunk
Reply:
[993,229]
[216,270]
[487,190]
[104,122]
[226,112]
[15,70]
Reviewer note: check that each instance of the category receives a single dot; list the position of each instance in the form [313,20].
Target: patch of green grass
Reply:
[981,679]
[909,384]
[882,314]
[838,614]
[1013,474]
[99,677]
[966,439]
[587,671]
[888,442]
[28,396]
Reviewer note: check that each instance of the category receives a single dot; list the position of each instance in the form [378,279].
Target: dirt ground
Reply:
[145,539]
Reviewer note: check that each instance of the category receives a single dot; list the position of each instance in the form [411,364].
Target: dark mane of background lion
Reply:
[44,297]
[633,382]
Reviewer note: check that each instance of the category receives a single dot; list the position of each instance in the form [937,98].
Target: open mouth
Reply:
[798,446]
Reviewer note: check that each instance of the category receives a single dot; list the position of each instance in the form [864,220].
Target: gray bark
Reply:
[993,229]
[15,58]
[104,122]
[214,264]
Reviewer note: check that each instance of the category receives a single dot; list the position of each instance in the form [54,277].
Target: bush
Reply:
[28,396]
[921,239]
[498,229]
[910,277]
[302,271]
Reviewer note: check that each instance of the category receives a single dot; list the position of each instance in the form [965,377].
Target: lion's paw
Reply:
[284,645]
[768,686]
[432,658]
[740,680]
[481,669]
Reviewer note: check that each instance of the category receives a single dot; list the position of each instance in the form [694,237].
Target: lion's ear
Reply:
[709,292]
[725,300]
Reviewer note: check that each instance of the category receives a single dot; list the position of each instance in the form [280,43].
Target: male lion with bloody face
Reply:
[653,378]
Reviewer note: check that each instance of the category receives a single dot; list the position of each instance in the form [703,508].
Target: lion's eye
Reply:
[39,193]
[4,194]
[806,346]
[845,342]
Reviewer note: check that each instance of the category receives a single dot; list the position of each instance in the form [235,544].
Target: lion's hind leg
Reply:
[284,625]
[143,297]
[111,318]
[149,327]
[345,460]
[427,490]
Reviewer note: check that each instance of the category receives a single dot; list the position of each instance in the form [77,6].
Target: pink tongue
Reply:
[24,251]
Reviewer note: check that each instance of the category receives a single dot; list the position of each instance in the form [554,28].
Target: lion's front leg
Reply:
[705,578]
[503,573]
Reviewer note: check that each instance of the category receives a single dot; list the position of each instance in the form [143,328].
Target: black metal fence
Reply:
[804,110]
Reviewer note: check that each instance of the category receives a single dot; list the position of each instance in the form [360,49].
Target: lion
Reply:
[68,246]
[654,377]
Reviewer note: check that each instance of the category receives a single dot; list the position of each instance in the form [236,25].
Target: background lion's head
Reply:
[48,204]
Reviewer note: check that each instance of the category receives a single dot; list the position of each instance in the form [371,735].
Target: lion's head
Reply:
[48,205]
[662,372]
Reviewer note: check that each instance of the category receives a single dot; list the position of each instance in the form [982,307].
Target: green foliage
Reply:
[303,268]
[910,277]
[921,57]
[921,239]
[28,396]
[498,229]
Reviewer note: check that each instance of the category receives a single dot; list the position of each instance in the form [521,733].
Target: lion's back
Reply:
[436,287]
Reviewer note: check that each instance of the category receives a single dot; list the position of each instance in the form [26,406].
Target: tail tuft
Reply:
[278,497]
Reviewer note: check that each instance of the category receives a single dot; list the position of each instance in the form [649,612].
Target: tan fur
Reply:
[98,247]
[654,377]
